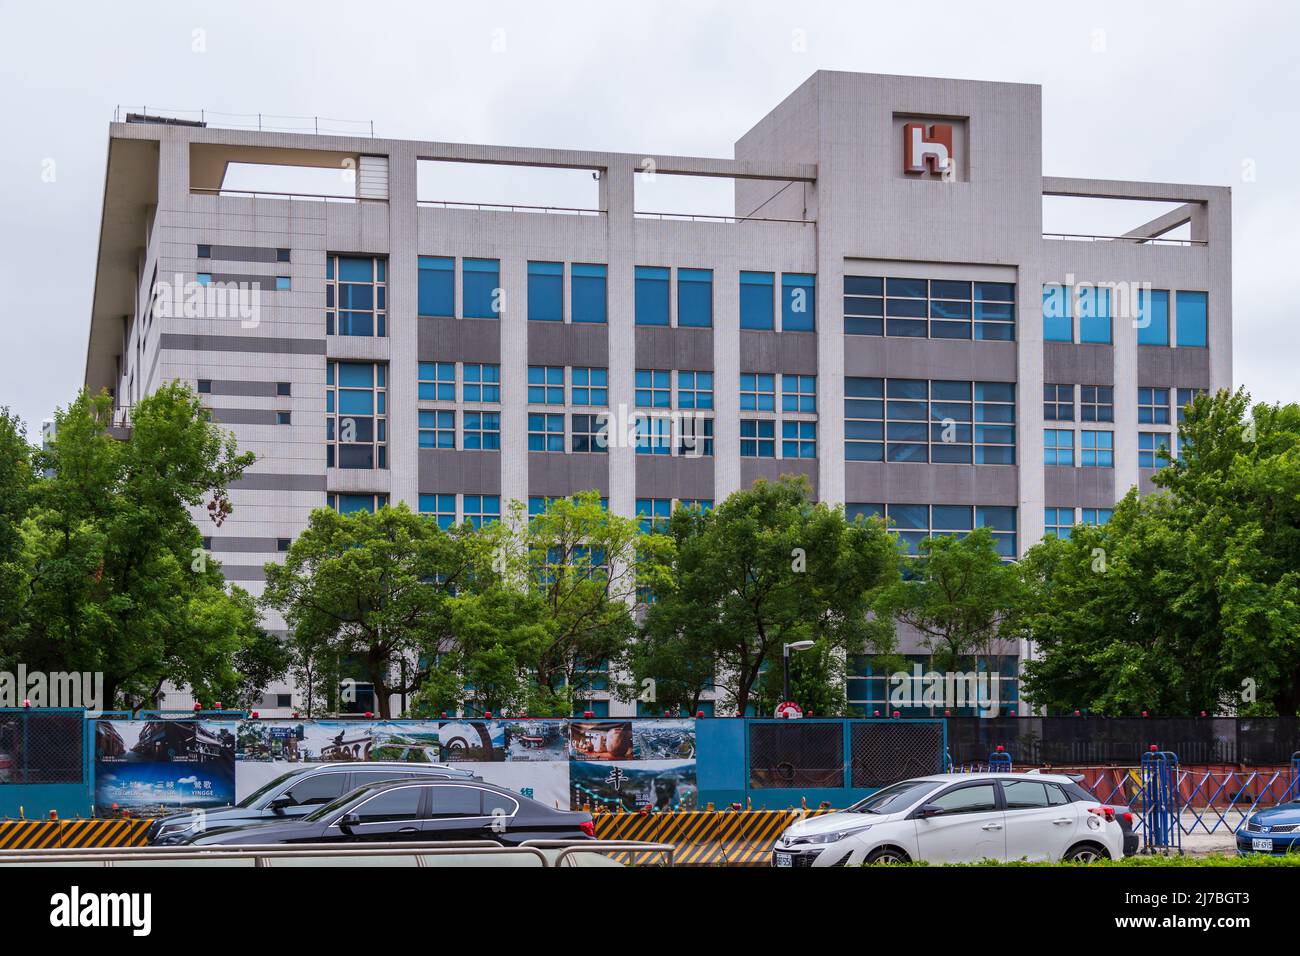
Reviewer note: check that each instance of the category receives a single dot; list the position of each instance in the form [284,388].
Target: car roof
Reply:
[994,775]
[386,765]
[434,781]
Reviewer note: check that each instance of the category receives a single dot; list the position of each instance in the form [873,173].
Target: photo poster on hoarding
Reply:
[633,764]
[149,767]
[528,757]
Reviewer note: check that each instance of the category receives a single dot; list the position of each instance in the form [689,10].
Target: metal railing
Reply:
[708,217]
[264,855]
[267,194]
[509,207]
[262,122]
[1140,240]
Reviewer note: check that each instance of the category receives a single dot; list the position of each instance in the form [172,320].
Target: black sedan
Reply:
[293,795]
[419,811]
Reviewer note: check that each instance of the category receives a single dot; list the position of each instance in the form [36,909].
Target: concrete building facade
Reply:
[883,314]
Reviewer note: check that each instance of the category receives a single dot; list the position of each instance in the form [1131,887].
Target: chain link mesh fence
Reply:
[39,746]
[796,753]
[886,752]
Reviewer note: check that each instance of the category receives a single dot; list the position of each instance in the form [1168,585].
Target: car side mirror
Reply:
[349,820]
[931,810]
[279,803]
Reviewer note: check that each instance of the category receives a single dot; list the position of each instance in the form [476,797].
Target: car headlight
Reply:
[173,829]
[833,836]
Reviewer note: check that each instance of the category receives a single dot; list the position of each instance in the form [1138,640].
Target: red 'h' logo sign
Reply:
[921,151]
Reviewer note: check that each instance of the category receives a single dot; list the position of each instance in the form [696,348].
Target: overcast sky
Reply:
[1181,92]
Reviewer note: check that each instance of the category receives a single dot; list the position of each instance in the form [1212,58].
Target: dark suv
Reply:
[295,794]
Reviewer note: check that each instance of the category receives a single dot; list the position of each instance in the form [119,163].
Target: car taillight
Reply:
[588,828]
[1107,812]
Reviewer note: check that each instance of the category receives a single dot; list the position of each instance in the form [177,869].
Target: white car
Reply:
[963,818]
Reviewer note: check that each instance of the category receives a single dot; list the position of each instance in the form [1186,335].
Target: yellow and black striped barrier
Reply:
[57,834]
[704,837]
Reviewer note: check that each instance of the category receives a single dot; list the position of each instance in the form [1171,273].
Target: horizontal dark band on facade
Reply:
[244,389]
[244,416]
[269,345]
[236,545]
[260,282]
[243,254]
[269,481]
[238,572]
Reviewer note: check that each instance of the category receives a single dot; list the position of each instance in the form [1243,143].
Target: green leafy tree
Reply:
[588,573]
[113,575]
[17,479]
[769,567]
[1188,599]
[957,595]
[377,588]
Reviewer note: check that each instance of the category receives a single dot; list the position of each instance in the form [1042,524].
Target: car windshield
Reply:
[260,792]
[894,798]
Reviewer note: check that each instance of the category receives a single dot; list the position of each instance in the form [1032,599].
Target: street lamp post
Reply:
[785,661]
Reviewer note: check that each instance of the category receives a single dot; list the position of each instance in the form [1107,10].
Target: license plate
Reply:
[786,859]
[1259,843]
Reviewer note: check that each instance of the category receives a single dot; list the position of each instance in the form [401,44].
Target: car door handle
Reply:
[991,826]
[409,830]
[1062,821]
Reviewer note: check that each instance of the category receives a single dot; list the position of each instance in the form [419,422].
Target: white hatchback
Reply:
[963,818]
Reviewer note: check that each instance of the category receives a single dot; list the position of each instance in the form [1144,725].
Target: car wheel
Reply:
[887,856]
[1086,853]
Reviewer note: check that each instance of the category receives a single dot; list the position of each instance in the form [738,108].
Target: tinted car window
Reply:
[494,802]
[401,804]
[1024,795]
[321,788]
[1055,795]
[457,802]
[975,799]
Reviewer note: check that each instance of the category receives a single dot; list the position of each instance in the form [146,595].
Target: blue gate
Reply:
[1161,823]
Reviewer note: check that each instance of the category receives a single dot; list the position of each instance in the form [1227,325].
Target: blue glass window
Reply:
[1094,315]
[1150,453]
[651,295]
[1192,320]
[757,438]
[1058,325]
[756,309]
[437,381]
[482,431]
[589,298]
[1153,317]
[545,432]
[695,298]
[546,291]
[864,305]
[864,419]
[482,382]
[590,386]
[654,513]
[653,388]
[798,393]
[1058,446]
[482,509]
[546,385]
[695,390]
[798,302]
[1097,449]
[757,392]
[437,429]
[437,293]
[1095,515]
[798,439]
[1153,406]
[441,507]
[1058,521]
[653,435]
[480,288]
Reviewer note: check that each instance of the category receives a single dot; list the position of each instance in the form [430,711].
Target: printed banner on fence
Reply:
[157,766]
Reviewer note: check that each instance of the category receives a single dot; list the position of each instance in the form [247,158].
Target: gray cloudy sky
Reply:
[1184,92]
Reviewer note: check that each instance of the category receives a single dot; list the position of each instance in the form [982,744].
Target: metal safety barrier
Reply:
[1162,818]
[546,853]
[706,837]
[82,834]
